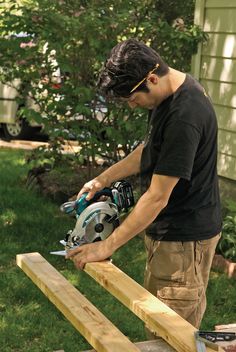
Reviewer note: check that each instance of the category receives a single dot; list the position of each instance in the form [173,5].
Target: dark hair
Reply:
[129,62]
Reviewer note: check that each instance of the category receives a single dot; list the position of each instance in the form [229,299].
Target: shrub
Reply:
[227,243]
[76,37]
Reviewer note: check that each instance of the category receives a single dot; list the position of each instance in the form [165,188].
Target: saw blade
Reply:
[63,253]
[98,227]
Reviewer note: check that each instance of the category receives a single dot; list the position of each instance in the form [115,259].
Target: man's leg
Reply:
[178,272]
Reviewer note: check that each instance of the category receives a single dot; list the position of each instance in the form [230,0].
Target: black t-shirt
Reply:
[182,141]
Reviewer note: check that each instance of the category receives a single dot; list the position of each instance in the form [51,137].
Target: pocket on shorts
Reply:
[182,293]
[168,262]
[188,302]
[179,297]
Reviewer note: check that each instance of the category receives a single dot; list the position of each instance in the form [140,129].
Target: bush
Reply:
[76,37]
[227,243]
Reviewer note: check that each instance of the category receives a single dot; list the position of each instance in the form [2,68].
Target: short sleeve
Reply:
[178,150]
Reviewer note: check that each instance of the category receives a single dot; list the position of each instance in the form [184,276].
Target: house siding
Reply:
[215,67]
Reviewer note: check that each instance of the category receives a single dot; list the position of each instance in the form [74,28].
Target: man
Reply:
[180,206]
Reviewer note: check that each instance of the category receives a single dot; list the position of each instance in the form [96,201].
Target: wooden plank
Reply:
[227,327]
[151,346]
[4,144]
[158,317]
[220,4]
[218,69]
[28,145]
[87,319]
[229,346]
[220,93]
[227,142]
[223,45]
[220,20]
[227,166]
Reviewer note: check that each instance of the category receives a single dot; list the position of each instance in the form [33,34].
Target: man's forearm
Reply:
[144,213]
[124,168]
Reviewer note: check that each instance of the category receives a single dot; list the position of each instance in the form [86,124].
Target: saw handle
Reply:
[80,204]
[104,192]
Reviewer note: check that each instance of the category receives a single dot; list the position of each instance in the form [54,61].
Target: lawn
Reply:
[28,321]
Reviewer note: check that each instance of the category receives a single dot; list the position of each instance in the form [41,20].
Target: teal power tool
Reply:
[95,219]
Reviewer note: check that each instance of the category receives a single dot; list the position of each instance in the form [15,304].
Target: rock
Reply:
[224,265]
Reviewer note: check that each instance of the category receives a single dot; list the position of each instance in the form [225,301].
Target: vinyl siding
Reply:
[215,67]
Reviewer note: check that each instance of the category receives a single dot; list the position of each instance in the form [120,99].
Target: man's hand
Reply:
[87,253]
[94,186]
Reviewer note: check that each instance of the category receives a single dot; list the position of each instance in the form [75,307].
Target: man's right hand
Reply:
[94,186]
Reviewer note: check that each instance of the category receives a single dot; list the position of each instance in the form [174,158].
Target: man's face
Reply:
[146,100]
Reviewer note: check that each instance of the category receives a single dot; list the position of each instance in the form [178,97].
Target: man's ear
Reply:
[153,79]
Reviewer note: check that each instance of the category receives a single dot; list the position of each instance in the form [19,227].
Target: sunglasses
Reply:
[139,83]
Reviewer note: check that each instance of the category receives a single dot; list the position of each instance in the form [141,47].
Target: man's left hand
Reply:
[87,253]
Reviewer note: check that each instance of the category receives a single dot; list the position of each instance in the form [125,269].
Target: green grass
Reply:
[28,223]
[28,321]
[221,301]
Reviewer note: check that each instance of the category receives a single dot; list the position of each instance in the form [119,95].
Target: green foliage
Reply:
[76,37]
[29,322]
[221,303]
[230,206]
[227,243]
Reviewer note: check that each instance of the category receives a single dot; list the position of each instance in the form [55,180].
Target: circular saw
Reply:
[96,219]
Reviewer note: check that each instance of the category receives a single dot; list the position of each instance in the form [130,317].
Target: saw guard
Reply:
[89,214]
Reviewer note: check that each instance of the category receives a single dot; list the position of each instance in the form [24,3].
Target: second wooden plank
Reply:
[158,317]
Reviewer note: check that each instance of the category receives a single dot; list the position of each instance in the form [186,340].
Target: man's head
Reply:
[126,71]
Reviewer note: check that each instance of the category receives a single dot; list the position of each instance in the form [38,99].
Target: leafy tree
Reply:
[76,37]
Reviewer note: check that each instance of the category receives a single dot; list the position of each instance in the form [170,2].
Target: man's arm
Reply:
[144,213]
[124,168]
[146,210]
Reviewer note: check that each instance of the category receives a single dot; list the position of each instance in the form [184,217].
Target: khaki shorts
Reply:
[177,273]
